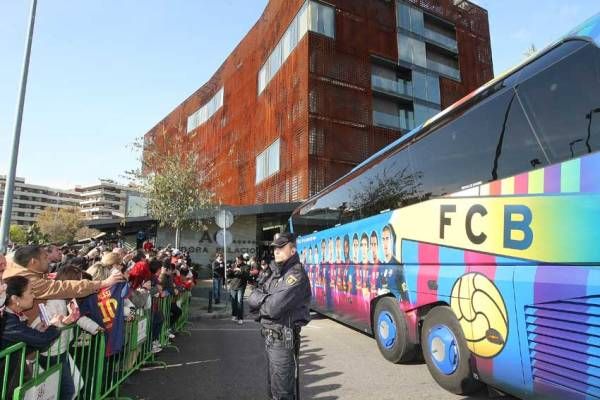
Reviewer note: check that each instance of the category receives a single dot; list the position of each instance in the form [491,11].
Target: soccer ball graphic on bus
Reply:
[481,312]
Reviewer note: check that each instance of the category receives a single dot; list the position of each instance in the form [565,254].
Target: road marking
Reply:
[180,365]
[312,326]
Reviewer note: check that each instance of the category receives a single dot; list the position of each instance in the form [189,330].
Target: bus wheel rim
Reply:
[443,348]
[386,330]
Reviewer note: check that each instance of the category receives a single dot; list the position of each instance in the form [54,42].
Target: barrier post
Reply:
[182,322]
[165,306]
[6,355]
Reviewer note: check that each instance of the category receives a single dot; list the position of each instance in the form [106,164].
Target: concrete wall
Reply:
[203,245]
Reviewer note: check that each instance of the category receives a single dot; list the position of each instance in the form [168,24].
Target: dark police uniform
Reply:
[283,308]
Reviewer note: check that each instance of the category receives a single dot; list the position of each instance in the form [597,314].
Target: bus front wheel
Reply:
[391,331]
[446,353]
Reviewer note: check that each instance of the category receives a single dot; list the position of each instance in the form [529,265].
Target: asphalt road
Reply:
[221,360]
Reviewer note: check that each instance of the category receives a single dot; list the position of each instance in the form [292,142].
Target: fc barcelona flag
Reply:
[106,308]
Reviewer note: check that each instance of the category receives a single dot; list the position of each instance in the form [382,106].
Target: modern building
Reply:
[315,87]
[30,200]
[106,200]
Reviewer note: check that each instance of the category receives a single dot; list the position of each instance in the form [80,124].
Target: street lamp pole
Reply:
[10,178]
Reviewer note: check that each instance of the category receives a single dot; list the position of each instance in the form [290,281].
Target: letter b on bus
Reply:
[517,227]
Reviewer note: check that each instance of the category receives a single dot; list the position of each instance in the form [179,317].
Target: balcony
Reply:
[443,69]
[398,87]
[392,121]
[441,40]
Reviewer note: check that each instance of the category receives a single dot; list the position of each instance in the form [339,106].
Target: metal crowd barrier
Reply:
[96,376]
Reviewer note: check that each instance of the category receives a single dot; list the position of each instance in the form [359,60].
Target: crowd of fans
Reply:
[98,287]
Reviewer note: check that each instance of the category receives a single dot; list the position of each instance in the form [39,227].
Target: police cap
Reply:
[284,238]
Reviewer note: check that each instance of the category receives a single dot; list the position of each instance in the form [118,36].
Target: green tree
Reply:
[18,234]
[59,224]
[175,190]
[35,235]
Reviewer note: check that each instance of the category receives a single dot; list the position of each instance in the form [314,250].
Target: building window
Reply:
[267,162]
[442,63]
[322,19]
[410,19]
[392,114]
[426,86]
[432,29]
[412,51]
[390,80]
[205,112]
[313,16]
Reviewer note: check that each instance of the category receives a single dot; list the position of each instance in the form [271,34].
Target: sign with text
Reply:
[45,387]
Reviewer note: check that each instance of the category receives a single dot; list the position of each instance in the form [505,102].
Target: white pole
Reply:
[10,178]
[225,266]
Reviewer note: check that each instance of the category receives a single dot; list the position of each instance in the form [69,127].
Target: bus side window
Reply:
[517,149]
[491,141]
[563,103]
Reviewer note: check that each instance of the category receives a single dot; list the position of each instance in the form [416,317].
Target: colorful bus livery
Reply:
[475,239]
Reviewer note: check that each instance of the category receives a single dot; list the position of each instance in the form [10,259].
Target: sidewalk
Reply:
[199,303]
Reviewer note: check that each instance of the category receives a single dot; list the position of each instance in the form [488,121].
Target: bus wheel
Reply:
[391,332]
[446,353]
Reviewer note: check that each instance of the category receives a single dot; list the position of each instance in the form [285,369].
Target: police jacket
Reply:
[284,298]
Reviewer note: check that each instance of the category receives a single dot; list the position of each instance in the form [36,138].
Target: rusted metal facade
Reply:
[319,104]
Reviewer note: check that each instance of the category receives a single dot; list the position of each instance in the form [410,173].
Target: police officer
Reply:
[283,308]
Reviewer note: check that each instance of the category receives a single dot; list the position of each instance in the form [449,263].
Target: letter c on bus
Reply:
[523,225]
[475,209]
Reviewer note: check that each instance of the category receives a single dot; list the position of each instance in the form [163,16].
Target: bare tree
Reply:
[169,178]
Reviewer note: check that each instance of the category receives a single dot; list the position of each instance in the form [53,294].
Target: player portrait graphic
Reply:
[355,249]
[374,245]
[388,242]
[364,248]
[346,249]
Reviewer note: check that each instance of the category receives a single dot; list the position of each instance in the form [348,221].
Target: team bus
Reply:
[474,240]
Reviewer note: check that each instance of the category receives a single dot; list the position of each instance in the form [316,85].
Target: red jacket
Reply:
[179,282]
[148,246]
[139,273]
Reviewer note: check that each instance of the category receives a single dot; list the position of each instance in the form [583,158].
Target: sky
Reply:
[104,72]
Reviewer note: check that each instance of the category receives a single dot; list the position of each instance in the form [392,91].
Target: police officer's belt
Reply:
[275,333]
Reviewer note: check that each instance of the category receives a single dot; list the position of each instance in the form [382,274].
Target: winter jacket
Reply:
[47,289]
[238,279]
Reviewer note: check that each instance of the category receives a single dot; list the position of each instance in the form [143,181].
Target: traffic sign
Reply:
[224,219]
[228,237]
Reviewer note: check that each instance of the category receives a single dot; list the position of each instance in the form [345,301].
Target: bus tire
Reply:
[446,353]
[391,331]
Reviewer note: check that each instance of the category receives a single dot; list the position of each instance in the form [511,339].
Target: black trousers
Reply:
[283,369]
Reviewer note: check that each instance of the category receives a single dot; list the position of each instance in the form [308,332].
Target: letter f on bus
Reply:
[445,221]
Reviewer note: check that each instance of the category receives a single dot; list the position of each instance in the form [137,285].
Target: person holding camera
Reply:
[238,275]
[282,303]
